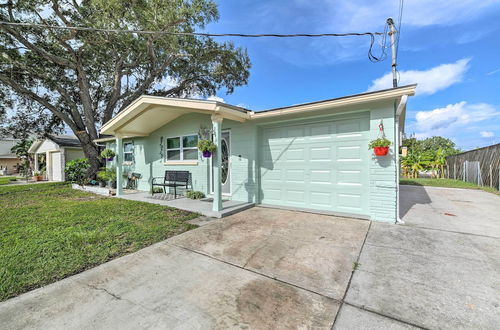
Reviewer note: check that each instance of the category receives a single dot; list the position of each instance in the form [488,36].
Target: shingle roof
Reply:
[65,140]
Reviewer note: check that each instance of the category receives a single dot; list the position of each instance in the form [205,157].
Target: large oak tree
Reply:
[81,79]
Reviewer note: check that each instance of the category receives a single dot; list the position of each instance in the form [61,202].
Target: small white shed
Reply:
[58,151]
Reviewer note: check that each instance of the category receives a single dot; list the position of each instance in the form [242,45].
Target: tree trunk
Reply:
[91,151]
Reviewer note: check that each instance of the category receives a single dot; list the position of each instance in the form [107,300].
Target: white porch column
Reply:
[217,128]
[36,165]
[119,164]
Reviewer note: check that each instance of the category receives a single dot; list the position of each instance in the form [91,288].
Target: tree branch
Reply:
[115,92]
[48,56]
[141,89]
[24,91]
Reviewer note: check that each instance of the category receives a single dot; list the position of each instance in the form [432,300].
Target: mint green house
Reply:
[311,156]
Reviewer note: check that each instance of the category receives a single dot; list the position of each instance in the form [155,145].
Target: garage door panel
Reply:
[350,177]
[273,196]
[349,202]
[321,199]
[321,176]
[320,166]
[295,176]
[321,153]
[296,197]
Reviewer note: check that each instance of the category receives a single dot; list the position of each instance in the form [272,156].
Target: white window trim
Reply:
[128,162]
[181,149]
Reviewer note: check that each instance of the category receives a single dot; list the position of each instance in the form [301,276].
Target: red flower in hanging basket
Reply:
[380,146]
[381,151]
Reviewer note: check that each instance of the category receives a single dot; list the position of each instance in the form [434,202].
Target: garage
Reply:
[322,165]
[56,150]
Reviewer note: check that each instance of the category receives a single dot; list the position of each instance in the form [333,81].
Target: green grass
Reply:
[447,183]
[50,231]
[6,179]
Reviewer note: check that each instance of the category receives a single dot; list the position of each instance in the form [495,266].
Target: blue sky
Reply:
[451,48]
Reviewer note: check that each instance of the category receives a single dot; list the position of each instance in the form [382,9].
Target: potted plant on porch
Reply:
[380,146]
[207,147]
[111,176]
[108,154]
[37,176]
[102,178]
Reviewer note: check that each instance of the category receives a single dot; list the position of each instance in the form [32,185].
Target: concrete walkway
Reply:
[276,269]
[201,206]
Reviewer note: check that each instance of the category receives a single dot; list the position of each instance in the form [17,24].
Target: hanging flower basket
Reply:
[207,147]
[380,146]
[381,151]
[108,154]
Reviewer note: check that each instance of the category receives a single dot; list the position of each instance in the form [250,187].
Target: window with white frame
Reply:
[128,152]
[182,148]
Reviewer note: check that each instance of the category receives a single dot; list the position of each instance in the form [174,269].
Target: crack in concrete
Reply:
[384,315]
[105,290]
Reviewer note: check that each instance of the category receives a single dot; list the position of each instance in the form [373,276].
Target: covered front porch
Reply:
[143,120]
[202,206]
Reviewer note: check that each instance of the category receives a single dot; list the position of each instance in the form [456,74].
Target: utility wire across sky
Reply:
[201,34]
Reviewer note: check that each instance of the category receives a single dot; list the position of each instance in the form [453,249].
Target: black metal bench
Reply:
[172,179]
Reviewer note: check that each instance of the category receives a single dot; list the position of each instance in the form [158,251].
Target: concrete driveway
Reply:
[262,269]
[441,270]
[275,269]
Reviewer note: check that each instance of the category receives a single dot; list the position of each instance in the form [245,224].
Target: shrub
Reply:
[380,142]
[102,175]
[206,145]
[195,195]
[111,173]
[76,170]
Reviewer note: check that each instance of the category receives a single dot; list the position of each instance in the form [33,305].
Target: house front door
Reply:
[225,164]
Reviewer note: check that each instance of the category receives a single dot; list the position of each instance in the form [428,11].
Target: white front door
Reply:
[56,166]
[225,164]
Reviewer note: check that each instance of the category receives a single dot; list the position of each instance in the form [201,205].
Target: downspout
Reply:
[397,140]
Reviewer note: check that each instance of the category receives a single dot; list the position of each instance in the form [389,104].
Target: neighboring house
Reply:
[58,151]
[9,162]
[310,156]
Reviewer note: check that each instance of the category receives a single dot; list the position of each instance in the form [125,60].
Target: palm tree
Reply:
[412,164]
[21,151]
[440,161]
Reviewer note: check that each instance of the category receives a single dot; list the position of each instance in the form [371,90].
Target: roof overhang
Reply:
[34,146]
[148,113]
[358,99]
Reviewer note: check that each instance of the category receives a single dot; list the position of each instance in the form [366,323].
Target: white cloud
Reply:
[429,81]
[454,120]
[487,134]
[215,98]
[493,72]
[371,14]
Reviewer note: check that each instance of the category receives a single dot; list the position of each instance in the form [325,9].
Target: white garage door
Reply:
[320,165]
[56,170]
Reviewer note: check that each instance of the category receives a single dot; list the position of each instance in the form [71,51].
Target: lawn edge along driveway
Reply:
[50,231]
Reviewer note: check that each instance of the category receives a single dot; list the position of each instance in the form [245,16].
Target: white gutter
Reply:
[397,140]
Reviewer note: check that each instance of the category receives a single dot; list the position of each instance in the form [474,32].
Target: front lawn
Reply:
[50,231]
[447,183]
[6,179]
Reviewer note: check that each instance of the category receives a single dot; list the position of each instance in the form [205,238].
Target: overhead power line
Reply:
[201,34]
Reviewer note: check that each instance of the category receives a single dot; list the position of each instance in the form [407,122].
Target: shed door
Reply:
[321,166]
[56,169]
